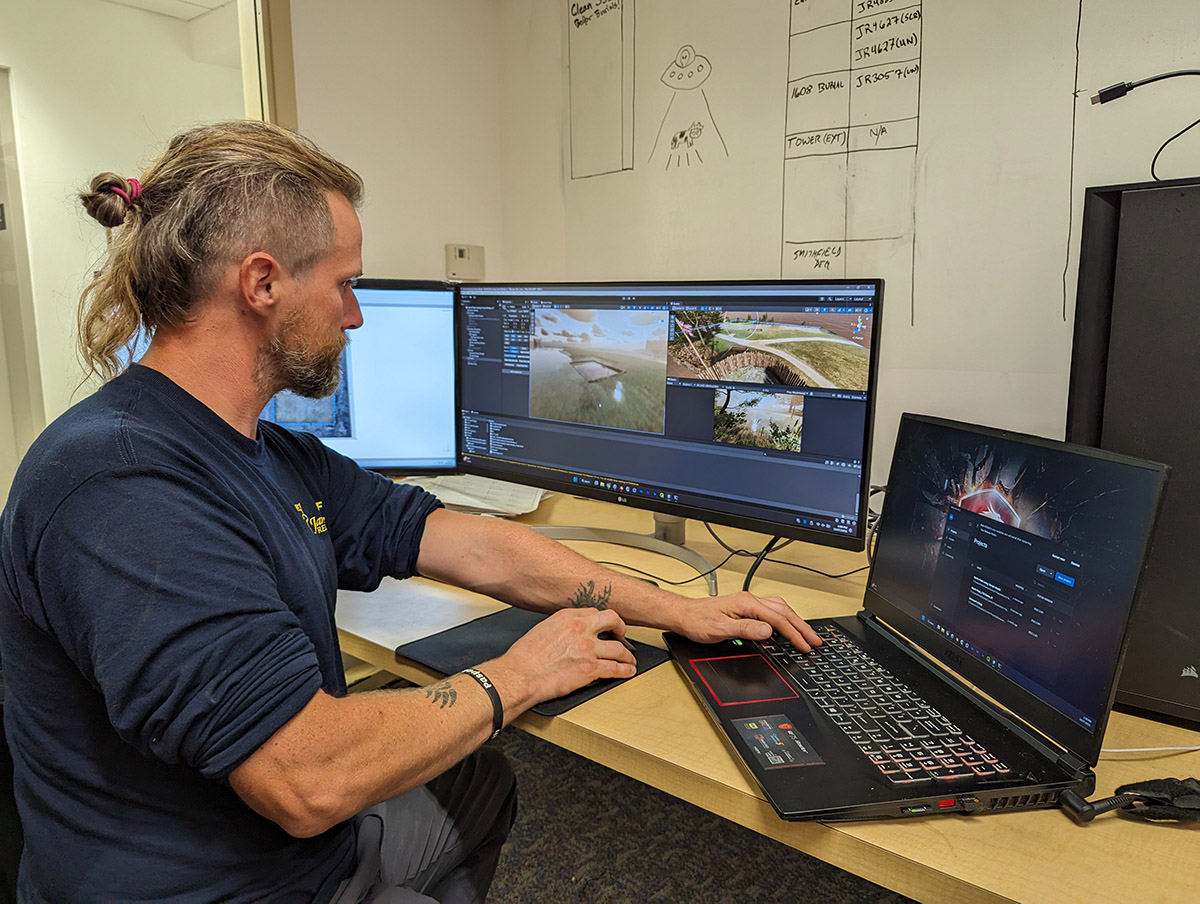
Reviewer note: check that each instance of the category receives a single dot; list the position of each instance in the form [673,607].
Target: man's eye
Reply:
[351,283]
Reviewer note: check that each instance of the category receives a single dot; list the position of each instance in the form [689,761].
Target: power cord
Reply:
[758,560]
[873,519]
[1156,800]
[873,525]
[745,552]
[775,544]
[656,580]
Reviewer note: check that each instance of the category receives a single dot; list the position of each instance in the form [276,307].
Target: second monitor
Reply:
[742,403]
[393,410]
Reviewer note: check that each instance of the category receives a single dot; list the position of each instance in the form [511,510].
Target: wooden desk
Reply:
[653,730]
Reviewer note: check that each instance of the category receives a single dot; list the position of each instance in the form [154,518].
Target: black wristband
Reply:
[494,695]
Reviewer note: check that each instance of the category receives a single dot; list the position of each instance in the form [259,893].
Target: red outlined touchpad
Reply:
[734,680]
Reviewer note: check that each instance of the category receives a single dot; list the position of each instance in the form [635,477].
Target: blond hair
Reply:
[216,194]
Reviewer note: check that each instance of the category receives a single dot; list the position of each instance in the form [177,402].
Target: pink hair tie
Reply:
[135,191]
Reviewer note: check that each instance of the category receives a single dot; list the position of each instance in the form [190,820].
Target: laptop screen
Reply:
[1015,561]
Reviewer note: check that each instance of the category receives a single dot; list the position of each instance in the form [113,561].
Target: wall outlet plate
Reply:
[464,262]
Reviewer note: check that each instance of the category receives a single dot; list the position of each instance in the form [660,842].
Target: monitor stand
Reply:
[666,540]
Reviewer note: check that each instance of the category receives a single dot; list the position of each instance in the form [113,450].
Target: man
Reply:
[177,709]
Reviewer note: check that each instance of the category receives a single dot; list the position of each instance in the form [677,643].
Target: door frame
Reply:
[22,408]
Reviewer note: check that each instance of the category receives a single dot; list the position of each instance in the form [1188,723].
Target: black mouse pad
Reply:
[490,636]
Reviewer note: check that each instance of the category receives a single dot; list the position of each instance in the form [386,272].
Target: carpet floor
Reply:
[588,835]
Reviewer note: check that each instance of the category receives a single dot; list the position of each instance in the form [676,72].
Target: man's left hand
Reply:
[745,615]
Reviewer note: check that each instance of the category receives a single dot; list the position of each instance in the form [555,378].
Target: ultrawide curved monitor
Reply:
[741,403]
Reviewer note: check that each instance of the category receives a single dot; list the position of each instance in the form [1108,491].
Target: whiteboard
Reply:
[941,145]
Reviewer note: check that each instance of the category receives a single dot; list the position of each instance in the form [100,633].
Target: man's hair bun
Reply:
[109,199]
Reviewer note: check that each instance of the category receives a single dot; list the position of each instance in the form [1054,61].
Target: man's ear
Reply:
[259,282]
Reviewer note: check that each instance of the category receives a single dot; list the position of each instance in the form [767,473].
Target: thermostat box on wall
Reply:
[464,262]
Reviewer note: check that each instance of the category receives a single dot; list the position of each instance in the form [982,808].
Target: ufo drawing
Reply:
[688,131]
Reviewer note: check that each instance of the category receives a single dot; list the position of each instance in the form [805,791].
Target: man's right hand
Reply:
[563,652]
[341,754]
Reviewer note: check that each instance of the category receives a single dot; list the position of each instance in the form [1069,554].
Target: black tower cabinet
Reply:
[1135,388]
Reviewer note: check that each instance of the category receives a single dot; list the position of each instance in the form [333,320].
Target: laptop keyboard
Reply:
[903,736]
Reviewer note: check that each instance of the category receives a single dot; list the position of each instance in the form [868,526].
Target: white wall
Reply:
[532,141]
[96,86]
[455,111]
[409,95]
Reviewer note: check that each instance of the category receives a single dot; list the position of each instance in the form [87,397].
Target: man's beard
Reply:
[289,361]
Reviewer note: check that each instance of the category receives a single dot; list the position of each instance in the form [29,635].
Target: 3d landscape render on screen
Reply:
[609,367]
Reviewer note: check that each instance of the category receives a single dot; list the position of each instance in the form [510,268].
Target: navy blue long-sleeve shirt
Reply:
[167,591]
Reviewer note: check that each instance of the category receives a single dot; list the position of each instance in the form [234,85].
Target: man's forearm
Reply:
[340,755]
[519,566]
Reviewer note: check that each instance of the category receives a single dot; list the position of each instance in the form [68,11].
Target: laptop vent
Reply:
[1018,801]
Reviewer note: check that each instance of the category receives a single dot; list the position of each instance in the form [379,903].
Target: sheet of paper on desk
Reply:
[483,495]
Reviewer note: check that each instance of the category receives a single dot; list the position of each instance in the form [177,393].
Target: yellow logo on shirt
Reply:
[316,523]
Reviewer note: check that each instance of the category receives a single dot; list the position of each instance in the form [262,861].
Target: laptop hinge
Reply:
[1048,747]
[1072,763]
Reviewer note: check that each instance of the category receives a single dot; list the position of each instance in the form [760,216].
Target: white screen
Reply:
[399,377]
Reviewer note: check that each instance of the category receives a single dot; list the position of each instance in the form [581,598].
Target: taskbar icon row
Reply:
[629,489]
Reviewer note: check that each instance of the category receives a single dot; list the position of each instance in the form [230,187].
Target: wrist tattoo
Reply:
[442,693]
[586,596]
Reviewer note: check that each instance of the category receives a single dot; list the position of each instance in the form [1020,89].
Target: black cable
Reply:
[1153,174]
[1084,811]
[725,546]
[659,580]
[651,576]
[1120,89]
[745,552]
[873,533]
[758,561]
[1161,76]
[824,574]
[1155,800]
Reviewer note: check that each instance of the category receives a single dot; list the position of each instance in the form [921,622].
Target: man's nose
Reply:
[352,318]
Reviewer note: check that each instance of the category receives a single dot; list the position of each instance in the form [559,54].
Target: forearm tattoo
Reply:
[586,596]
[442,693]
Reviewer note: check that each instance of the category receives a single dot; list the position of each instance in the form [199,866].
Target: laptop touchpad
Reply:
[734,680]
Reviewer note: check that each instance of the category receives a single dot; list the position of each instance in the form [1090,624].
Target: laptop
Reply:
[980,672]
